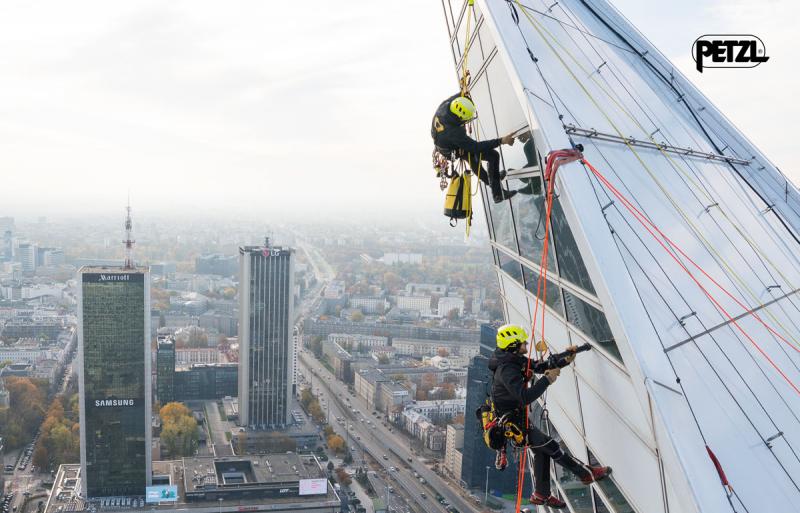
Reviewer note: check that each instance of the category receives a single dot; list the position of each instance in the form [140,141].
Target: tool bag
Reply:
[457,202]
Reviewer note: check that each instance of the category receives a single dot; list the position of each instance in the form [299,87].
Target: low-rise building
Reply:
[453,450]
[424,347]
[393,396]
[367,383]
[190,356]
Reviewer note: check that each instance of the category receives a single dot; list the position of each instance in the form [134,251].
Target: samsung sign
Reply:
[100,403]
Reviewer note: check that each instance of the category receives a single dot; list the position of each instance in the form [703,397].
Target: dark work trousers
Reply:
[492,178]
[544,449]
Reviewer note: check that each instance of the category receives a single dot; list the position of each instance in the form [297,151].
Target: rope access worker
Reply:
[511,394]
[450,137]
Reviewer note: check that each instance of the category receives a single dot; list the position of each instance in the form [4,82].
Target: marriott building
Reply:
[114,380]
[266,350]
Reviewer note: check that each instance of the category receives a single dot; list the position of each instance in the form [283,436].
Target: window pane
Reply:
[553,291]
[511,266]
[529,210]
[503,224]
[599,505]
[570,263]
[576,493]
[484,126]
[590,321]
[611,491]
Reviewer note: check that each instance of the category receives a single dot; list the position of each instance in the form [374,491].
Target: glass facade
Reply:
[518,224]
[266,314]
[114,394]
[165,372]
[207,382]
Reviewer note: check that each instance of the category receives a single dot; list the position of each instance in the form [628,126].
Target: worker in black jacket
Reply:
[450,137]
[512,393]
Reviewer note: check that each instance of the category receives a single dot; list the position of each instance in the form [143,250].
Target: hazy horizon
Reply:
[236,113]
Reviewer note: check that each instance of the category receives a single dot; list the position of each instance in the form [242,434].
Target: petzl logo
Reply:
[728,51]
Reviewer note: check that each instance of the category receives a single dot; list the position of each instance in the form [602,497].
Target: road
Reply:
[217,428]
[377,441]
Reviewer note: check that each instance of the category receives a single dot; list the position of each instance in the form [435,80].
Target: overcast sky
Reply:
[289,108]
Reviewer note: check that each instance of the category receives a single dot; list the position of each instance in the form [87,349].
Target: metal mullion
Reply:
[558,280]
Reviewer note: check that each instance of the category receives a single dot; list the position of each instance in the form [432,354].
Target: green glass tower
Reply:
[115,384]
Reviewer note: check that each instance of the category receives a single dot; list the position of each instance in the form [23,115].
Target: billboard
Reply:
[161,494]
[313,486]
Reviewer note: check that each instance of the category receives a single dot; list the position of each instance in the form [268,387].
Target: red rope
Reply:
[718,465]
[554,160]
[651,228]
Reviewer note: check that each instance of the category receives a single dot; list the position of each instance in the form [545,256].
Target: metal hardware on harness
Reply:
[600,136]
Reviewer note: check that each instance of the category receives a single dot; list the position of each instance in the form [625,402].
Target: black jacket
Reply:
[510,391]
[449,132]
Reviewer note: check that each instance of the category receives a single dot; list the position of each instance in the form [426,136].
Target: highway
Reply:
[377,441]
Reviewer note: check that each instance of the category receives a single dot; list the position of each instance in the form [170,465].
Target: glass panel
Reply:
[484,127]
[503,224]
[511,266]
[553,291]
[529,212]
[576,493]
[590,321]
[599,505]
[615,497]
[570,263]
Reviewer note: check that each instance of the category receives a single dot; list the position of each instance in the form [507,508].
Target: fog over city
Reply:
[284,111]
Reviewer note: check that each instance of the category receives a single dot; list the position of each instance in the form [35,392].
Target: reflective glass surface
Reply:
[529,212]
[503,224]
[611,491]
[599,505]
[578,495]
[590,321]
[511,266]
[553,291]
[114,349]
[570,263]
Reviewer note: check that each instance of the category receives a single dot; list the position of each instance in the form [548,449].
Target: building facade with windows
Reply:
[678,267]
[266,344]
[114,380]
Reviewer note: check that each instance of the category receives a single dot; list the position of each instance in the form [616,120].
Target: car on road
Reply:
[423,495]
[393,469]
[385,457]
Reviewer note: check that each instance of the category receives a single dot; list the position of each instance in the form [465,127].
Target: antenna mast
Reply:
[129,242]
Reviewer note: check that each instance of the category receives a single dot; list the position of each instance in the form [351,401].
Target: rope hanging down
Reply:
[553,161]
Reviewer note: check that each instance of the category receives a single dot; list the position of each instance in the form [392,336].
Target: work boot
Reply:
[552,501]
[504,195]
[595,474]
[500,460]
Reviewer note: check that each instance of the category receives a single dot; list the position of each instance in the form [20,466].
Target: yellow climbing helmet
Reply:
[463,108]
[510,335]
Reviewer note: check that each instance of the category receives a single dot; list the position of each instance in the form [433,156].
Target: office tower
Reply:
[675,257]
[266,359]
[27,256]
[165,370]
[115,378]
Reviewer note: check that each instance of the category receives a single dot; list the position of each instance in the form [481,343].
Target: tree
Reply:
[40,457]
[336,444]
[442,351]
[178,430]
[357,316]
[306,397]
[383,359]
[343,477]
[328,431]
[173,411]
[316,411]
[330,466]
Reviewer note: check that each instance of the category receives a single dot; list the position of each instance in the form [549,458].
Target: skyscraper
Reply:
[165,370]
[114,379]
[266,349]
[675,258]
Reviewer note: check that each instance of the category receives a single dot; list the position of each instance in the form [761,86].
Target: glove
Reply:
[552,375]
[507,139]
[571,356]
